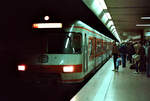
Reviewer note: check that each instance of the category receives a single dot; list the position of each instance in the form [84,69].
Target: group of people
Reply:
[137,53]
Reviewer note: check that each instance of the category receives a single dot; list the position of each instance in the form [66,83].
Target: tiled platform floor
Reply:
[127,86]
[107,85]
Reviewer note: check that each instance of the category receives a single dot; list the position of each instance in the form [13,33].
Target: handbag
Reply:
[136,57]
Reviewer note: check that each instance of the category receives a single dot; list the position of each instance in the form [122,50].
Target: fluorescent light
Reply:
[113,27]
[109,24]
[47,25]
[102,3]
[114,30]
[144,25]
[137,37]
[104,18]
[112,23]
[96,7]
[147,34]
[117,36]
[108,15]
[145,17]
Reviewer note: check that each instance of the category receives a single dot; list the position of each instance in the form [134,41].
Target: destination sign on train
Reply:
[47,25]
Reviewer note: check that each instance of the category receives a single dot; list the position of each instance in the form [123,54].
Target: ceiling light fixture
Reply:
[103,4]
[147,34]
[145,18]
[113,27]
[143,25]
[108,15]
[112,22]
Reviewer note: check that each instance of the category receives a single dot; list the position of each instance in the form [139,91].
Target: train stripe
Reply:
[85,29]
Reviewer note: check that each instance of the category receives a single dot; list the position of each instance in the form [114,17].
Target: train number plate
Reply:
[43,58]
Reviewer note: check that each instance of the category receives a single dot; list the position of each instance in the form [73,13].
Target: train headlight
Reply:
[21,67]
[68,69]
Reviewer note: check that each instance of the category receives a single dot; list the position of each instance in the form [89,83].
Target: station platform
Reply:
[107,85]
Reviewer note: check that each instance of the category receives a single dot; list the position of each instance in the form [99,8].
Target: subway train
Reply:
[66,52]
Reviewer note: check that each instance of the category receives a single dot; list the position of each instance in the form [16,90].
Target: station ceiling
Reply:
[64,10]
[126,14]
[22,13]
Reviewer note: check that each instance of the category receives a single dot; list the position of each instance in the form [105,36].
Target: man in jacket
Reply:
[141,52]
[123,53]
[115,54]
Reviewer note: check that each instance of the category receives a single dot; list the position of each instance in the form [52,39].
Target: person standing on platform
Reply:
[147,54]
[115,54]
[141,52]
[130,51]
[118,63]
[136,59]
[123,53]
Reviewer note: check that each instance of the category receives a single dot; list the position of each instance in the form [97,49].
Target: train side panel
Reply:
[95,48]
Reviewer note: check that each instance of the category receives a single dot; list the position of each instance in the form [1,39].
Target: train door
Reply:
[91,52]
[85,54]
[105,50]
[99,51]
[95,52]
[102,49]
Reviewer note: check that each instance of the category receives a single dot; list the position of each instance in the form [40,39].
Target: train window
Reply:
[33,44]
[91,47]
[99,46]
[107,46]
[64,43]
[104,45]
[59,42]
[76,43]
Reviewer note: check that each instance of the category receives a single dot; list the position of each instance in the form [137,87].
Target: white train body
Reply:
[84,51]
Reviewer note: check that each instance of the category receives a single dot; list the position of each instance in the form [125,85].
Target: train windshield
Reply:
[60,42]
[64,43]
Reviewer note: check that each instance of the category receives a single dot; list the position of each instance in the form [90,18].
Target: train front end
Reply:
[59,55]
